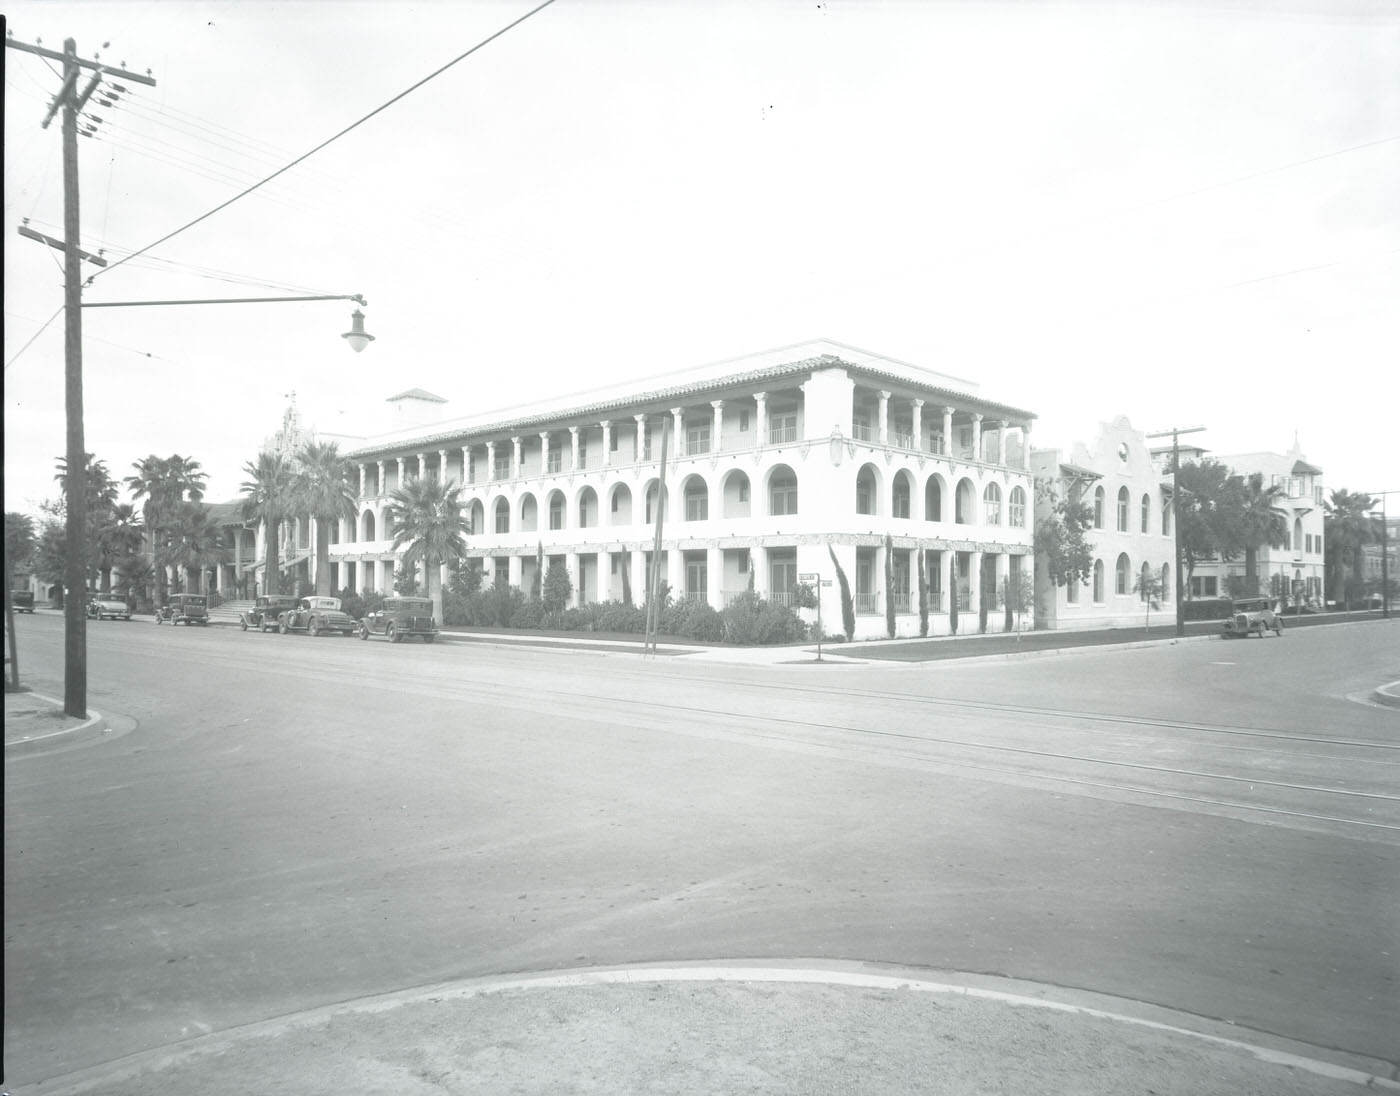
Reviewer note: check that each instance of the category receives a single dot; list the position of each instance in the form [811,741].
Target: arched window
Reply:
[964,502]
[933,499]
[899,500]
[991,504]
[782,492]
[529,513]
[736,495]
[367,526]
[502,516]
[556,509]
[1122,509]
[697,499]
[1017,507]
[1146,511]
[865,491]
[1145,581]
[1122,572]
[587,508]
[1298,535]
[620,505]
[1098,578]
[1098,509]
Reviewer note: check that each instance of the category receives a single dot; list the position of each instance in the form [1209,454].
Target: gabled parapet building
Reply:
[1131,532]
[774,463]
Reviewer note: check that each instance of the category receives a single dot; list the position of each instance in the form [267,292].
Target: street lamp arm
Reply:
[356,297]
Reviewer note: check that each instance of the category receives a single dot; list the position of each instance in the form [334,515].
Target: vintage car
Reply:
[265,611]
[22,601]
[184,609]
[1250,615]
[315,615]
[400,618]
[102,606]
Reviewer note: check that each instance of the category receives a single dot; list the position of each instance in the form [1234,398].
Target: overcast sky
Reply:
[1184,213]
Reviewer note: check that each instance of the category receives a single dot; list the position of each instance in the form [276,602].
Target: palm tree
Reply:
[1259,524]
[324,491]
[120,535]
[164,483]
[101,494]
[1346,528]
[267,497]
[192,543]
[426,515]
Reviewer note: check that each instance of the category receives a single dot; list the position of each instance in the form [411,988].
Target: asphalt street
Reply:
[1210,827]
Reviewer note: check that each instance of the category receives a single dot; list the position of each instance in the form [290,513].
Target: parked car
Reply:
[102,606]
[315,615]
[265,611]
[401,617]
[1250,615]
[184,609]
[22,601]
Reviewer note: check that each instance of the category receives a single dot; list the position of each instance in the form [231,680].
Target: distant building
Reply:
[1372,568]
[1131,534]
[1291,569]
[775,462]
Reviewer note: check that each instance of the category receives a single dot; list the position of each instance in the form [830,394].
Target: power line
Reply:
[353,125]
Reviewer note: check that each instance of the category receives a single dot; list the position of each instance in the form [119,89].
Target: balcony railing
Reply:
[782,435]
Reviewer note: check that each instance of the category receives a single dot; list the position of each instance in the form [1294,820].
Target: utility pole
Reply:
[654,578]
[72,101]
[1174,432]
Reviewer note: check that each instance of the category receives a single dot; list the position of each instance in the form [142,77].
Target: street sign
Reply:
[809,578]
[826,582]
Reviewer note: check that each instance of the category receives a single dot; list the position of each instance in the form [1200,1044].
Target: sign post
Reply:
[817,583]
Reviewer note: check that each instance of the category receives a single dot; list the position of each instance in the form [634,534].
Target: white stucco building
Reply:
[774,461]
[1131,533]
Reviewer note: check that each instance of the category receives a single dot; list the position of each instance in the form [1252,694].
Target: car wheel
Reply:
[282,626]
[364,632]
[313,628]
[243,623]
[429,639]
[393,635]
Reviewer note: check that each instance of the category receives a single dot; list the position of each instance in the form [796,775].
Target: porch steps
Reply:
[229,612]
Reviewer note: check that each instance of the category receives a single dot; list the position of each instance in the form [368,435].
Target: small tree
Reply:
[557,588]
[1018,591]
[923,595]
[1060,539]
[1148,586]
[406,581]
[889,585]
[848,605]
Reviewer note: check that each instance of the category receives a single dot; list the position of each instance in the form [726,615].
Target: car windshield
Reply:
[412,603]
[194,600]
[323,603]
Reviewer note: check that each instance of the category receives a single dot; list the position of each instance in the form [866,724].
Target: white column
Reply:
[606,424]
[677,433]
[362,468]
[977,437]
[714,577]
[758,565]
[974,588]
[1003,574]
[675,571]
[1026,446]
[399,460]
[573,449]
[1001,443]
[884,418]
[422,465]
[761,418]
[717,427]
[516,456]
[467,464]
[641,438]
[947,431]
[571,565]
[947,559]
[605,576]
[637,564]
[544,452]
[916,408]
[490,460]
[513,570]
[442,465]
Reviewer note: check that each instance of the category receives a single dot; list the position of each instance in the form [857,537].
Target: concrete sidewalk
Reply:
[803,1028]
[36,723]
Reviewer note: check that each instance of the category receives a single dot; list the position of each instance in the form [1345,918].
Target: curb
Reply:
[1389,695]
[779,976]
[94,727]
